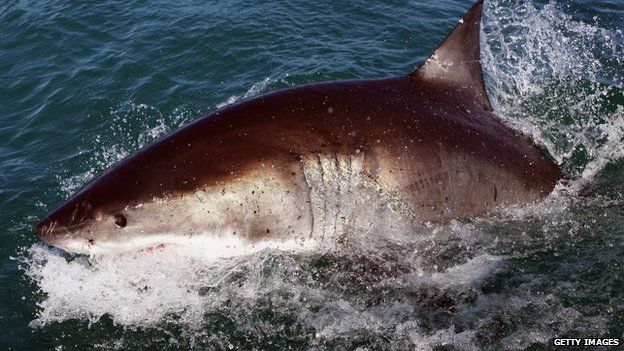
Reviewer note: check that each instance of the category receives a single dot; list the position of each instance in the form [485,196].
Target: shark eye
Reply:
[120,221]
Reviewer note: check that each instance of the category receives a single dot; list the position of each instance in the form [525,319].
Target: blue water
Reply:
[82,85]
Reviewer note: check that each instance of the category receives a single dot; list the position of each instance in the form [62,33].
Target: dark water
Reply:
[82,85]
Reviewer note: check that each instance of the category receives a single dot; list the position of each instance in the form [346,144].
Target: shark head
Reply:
[181,188]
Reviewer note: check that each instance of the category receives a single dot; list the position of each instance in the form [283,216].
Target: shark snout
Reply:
[49,230]
[62,222]
[44,228]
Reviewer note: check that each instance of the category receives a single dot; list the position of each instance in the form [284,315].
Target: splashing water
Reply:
[558,80]
[326,295]
[255,89]
[131,127]
[501,281]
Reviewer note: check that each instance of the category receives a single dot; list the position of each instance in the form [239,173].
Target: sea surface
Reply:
[84,84]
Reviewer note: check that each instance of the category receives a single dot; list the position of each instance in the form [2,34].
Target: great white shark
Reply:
[315,161]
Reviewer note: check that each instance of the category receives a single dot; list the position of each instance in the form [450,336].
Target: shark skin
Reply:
[314,161]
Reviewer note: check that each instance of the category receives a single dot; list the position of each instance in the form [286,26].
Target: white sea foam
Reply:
[464,274]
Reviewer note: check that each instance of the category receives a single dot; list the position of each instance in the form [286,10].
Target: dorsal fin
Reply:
[456,62]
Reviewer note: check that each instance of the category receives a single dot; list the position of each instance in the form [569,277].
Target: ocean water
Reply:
[84,84]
